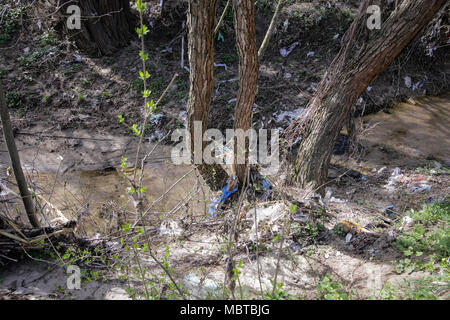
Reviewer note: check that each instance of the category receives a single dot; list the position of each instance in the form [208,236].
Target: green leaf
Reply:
[143,55]
[136,131]
[150,105]
[140,5]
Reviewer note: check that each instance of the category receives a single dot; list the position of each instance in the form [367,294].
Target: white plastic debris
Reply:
[182,115]
[269,215]
[336,36]
[348,237]
[408,81]
[4,190]
[310,54]
[381,170]
[223,65]
[391,235]
[337,200]
[395,177]
[199,288]
[285,25]
[285,52]
[289,115]
[421,188]
[170,228]
[407,222]
[328,193]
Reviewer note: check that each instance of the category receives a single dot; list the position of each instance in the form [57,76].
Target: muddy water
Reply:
[98,198]
[410,132]
[72,173]
[85,171]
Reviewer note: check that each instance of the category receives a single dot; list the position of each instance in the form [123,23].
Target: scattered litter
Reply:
[289,115]
[182,115]
[369,89]
[437,164]
[26,50]
[328,193]
[421,188]
[156,117]
[83,117]
[395,177]
[337,200]
[198,287]
[77,58]
[419,84]
[407,222]
[217,202]
[336,36]
[288,75]
[4,190]
[388,211]
[220,37]
[408,82]
[350,226]
[223,65]
[285,52]
[381,170]
[170,228]
[310,54]
[348,237]
[391,235]
[285,25]
[270,215]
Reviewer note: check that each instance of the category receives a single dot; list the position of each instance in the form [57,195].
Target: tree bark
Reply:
[201,21]
[106,25]
[244,18]
[350,73]
[15,162]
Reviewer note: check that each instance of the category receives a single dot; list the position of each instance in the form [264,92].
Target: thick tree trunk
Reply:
[106,25]
[349,75]
[201,21]
[244,18]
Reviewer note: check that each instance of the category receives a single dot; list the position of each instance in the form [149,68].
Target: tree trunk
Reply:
[15,162]
[244,19]
[201,21]
[346,80]
[106,25]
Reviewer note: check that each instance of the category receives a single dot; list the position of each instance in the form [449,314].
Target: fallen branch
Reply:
[222,17]
[269,32]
